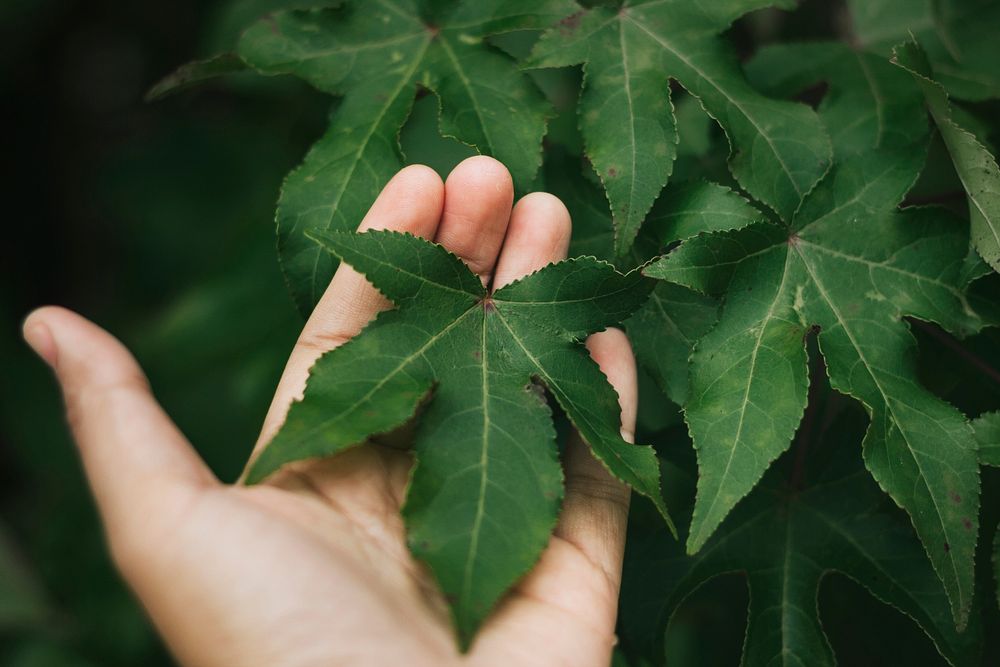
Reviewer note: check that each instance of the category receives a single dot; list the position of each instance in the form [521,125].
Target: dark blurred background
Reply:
[156,221]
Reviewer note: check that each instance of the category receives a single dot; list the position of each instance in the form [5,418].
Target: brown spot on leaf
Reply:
[966,523]
[955,498]
[536,389]
[568,25]
[947,547]
[612,172]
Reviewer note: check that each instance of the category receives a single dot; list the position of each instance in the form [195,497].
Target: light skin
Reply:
[311,567]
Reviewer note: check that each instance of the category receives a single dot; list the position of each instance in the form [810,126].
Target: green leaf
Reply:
[967,31]
[194,73]
[787,541]
[869,103]
[987,429]
[664,330]
[688,209]
[485,491]
[779,149]
[976,167]
[852,266]
[961,48]
[593,233]
[375,57]
[881,24]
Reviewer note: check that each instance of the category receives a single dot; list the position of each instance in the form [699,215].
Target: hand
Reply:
[311,568]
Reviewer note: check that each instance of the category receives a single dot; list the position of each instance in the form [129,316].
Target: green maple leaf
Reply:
[958,35]
[486,488]
[196,72]
[787,540]
[976,167]
[665,329]
[869,103]
[375,56]
[779,149]
[852,265]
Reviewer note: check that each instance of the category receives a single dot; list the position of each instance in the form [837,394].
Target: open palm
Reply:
[311,568]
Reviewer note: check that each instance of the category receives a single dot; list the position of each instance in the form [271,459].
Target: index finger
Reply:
[411,202]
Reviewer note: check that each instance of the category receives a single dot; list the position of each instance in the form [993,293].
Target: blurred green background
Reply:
[156,221]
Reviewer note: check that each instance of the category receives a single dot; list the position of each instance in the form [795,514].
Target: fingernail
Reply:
[39,338]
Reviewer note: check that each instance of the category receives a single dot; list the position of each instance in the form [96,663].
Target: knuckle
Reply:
[598,490]
[323,341]
[98,398]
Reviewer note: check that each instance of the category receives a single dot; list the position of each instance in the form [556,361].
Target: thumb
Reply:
[133,454]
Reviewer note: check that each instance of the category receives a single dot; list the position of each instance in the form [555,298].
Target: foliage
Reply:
[804,522]
[801,203]
[484,495]
[375,58]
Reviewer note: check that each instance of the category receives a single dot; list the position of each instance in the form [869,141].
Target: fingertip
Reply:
[420,171]
[547,203]
[54,331]
[538,234]
[612,352]
[610,343]
[421,181]
[37,334]
[483,171]
[77,349]
[411,201]
[479,193]
[543,220]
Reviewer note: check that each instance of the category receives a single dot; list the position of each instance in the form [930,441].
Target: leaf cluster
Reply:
[784,227]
